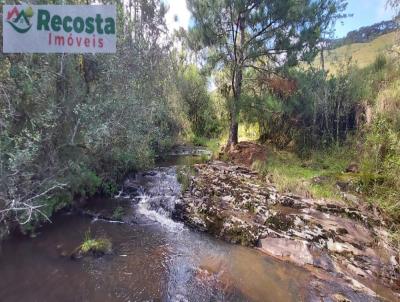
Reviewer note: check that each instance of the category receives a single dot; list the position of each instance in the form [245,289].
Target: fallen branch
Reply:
[26,207]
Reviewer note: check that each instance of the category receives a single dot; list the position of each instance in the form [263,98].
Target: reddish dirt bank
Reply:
[246,153]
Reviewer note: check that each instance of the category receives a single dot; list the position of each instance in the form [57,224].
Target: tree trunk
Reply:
[234,126]
[237,87]
[322,58]
[337,122]
[233,114]
[314,122]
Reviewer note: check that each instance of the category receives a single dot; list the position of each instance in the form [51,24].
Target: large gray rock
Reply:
[235,204]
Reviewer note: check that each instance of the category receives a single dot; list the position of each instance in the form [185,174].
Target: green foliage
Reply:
[197,102]
[242,35]
[72,125]
[211,144]
[296,28]
[379,63]
[380,153]
[84,182]
[109,188]
[293,174]
[316,110]
[198,140]
[381,166]
[214,145]
[184,175]
[118,213]
[260,108]
[334,120]
[95,246]
[56,202]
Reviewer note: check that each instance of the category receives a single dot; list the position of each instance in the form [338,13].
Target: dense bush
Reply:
[381,163]
[73,125]
[309,108]
[197,102]
[353,109]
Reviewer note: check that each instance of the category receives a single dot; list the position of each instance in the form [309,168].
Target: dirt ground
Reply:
[246,153]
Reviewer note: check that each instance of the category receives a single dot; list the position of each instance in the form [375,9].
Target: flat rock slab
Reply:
[233,203]
[288,249]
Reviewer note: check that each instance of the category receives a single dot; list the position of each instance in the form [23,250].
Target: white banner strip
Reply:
[59,29]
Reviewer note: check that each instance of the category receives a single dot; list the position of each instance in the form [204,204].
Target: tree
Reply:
[394,3]
[73,124]
[196,101]
[263,35]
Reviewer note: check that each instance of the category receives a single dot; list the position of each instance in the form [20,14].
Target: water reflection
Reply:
[154,258]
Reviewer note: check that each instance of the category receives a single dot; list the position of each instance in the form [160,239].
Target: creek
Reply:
[154,258]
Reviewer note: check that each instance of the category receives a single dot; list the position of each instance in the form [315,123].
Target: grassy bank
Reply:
[323,176]
[314,177]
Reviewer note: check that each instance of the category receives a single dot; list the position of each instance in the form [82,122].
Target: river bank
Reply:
[153,257]
[340,244]
[287,248]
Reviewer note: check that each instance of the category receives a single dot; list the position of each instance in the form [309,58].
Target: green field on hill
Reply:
[362,54]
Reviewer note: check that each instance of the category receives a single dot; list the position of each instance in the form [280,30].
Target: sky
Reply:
[366,12]
[179,9]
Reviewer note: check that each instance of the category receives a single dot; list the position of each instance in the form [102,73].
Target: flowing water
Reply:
[153,259]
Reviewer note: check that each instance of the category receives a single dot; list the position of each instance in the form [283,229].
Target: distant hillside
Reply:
[365,34]
[362,54]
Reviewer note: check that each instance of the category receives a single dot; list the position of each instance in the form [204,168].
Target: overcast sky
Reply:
[366,12]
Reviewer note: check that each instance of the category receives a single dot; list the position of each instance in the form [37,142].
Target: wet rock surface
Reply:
[345,247]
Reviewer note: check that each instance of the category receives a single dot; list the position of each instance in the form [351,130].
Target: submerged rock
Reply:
[295,251]
[92,247]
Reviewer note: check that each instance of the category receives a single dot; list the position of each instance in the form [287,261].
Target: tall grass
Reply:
[299,176]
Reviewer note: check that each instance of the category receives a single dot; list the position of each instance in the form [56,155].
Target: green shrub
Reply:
[295,175]
[84,182]
[379,63]
[51,205]
[95,246]
[118,213]
[89,122]
[109,188]
[184,175]
[381,166]
[197,103]
[198,140]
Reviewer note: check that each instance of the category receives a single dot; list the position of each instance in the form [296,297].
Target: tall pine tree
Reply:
[264,35]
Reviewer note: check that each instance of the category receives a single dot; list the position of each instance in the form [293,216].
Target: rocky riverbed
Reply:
[345,248]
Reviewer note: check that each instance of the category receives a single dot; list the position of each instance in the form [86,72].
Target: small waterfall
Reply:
[158,194]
